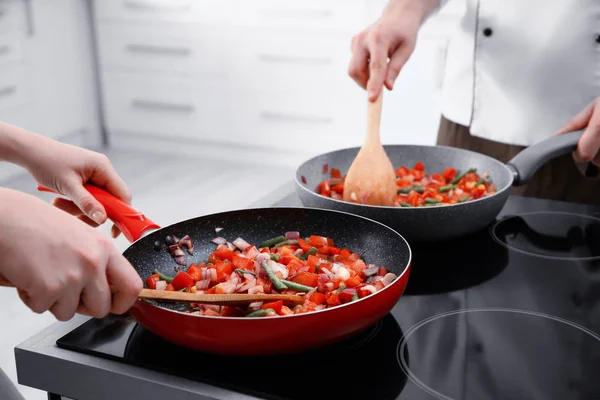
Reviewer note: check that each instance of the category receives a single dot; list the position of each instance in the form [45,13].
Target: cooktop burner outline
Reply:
[549,240]
[401,349]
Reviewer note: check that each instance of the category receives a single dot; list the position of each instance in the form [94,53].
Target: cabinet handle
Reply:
[271,58]
[145,5]
[158,105]
[4,49]
[275,116]
[7,91]
[171,51]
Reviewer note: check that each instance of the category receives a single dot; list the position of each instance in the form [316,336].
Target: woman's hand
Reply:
[59,264]
[393,36]
[588,148]
[65,169]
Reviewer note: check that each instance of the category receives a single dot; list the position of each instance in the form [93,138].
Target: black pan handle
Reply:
[529,160]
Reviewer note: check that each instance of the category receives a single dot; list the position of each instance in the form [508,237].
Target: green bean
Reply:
[479,182]
[261,313]
[354,297]
[418,189]
[447,188]
[405,190]
[243,271]
[459,177]
[429,200]
[272,242]
[276,282]
[296,286]
[275,257]
[286,243]
[163,277]
[463,199]
[310,252]
[405,204]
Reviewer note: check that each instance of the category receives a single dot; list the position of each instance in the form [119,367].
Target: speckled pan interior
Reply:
[377,243]
[438,222]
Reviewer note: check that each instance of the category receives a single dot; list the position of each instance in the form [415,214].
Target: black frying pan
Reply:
[438,222]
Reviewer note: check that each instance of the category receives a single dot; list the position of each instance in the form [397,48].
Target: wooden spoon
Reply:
[371,178]
[218,299]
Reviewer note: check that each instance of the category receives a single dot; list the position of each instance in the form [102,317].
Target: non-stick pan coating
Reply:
[421,224]
[376,243]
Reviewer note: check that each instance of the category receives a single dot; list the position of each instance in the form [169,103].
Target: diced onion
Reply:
[219,229]
[203,284]
[298,252]
[370,271]
[276,267]
[230,246]
[335,268]
[388,278]
[330,274]
[343,273]
[324,277]
[248,285]
[210,307]
[213,274]
[256,289]
[241,244]
[219,240]
[350,291]
[376,278]
[255,306]
[161,285]
[369,288]
[292,235]
[262,257]
[329,286]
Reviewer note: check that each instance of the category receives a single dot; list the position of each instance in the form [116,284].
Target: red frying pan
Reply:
[373,241]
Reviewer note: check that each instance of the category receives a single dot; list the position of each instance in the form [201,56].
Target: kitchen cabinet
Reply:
[47,72]
[261,75]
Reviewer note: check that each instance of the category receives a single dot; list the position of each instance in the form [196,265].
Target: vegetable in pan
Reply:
[327,276]
[418,188]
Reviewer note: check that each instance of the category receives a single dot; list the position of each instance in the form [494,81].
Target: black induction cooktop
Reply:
[510,312]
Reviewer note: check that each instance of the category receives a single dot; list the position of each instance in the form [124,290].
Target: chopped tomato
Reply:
[244,263]
[286,259]
[318,298]
[382,271]
[345,296]
[339,188]
[306,278]
[317,241]
[212,290]
[151,281]
[334,300]
[449,173]
[224,253]
[195,272]
[224,270]
[303,245]
[345,253]
[275,305]
[419,166]
[354,281]
[313,261]
[170,288]
[335,173]
[182,280]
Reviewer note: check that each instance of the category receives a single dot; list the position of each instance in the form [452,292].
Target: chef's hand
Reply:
[58,263]
[588,148]
[65,169]
[392,36]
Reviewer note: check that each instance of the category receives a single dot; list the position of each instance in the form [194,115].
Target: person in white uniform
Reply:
[517,72]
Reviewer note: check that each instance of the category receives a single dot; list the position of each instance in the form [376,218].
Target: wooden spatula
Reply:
[217,299]
[371,178]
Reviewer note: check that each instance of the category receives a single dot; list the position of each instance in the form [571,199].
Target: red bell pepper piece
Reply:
[224,253]
[244,263]
[318,298]
[182,280]
[170,288]
[306,278]
[275,305]
[195,272]
[151,281]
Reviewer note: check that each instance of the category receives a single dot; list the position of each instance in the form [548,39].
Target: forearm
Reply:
[421,8]
[19,146]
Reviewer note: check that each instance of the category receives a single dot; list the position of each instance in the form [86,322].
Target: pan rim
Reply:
[302,186]
[404,270]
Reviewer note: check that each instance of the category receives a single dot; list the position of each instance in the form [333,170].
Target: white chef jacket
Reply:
[518,70]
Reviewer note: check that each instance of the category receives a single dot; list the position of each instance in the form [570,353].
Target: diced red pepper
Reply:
[266,284]
[306,278]
[345,253]
[170,288]
[419,166]
[317,241]
[224,270]
[334,300]
[318,298]
[211,313]
[335,173]
[182,280]
[382,271]
[353,282]
[294,266]
[151,281]
[195,272]
[449,173]
[275,305]
[303,245]
[227,311]
[345,296]
[244,263]
[224,253]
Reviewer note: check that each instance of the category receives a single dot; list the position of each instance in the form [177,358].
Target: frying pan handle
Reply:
[525,164]
[131,222]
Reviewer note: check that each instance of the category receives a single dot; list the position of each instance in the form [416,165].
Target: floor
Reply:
[167,190]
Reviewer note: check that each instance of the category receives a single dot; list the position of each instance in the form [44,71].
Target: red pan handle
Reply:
[130,221]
